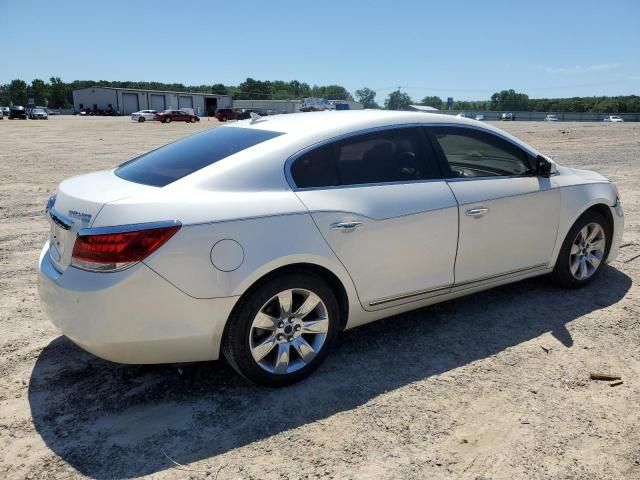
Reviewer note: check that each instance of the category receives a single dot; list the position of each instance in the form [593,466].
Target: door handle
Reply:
[477,212]
[345,226]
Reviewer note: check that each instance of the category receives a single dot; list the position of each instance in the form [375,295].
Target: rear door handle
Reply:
[345,226]
[477,212]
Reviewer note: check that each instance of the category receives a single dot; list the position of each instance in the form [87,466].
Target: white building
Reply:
[129,100]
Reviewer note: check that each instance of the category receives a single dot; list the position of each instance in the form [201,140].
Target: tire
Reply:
[574,252]
[224,118]
[167,120]
[192,120]
[142,120]
[242,339]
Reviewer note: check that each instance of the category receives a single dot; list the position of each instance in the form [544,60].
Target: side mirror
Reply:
[543,167]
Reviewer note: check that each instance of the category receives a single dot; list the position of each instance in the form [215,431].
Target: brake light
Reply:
[109,250]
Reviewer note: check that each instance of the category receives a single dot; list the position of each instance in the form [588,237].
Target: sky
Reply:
[461,49]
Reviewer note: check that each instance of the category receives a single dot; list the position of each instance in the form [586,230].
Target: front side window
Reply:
[394,155]
[178,159]
[473,153]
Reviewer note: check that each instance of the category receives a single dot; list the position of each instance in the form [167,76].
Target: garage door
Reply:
[130,102]
[157,103]
[185,102]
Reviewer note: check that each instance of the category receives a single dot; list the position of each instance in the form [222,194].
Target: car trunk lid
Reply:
[77,203]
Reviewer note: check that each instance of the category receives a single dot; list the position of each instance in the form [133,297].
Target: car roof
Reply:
[314,126]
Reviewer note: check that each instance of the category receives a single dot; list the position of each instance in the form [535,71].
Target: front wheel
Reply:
[141,119]
[282,331]
[584,251]
[167,120]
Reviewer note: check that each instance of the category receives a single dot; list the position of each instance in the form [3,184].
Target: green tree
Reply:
[219,88]
[433,101]
[17,91]
[254,89]
[367,97]
[39,91]
[60,93]
[397,101]
[509,100]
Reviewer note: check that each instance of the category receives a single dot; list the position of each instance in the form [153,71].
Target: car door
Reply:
[508,215]
[380,202]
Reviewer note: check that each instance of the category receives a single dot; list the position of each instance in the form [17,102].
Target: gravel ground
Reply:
[495,385]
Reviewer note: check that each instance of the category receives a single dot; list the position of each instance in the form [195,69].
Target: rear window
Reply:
[167,164]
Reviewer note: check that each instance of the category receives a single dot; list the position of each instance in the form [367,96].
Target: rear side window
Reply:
[394,155]
[316,168]
[169,163]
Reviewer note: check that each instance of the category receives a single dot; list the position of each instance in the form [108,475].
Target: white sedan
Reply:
[143,115]
[263,239]
[613,118]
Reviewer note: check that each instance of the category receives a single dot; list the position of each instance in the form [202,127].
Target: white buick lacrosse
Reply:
[263,239]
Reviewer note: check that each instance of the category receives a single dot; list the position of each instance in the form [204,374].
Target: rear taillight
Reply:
[112,249]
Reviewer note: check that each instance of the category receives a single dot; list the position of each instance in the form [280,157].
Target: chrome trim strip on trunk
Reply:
[61,220]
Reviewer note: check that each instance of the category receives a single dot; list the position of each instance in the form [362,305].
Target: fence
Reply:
[538,116]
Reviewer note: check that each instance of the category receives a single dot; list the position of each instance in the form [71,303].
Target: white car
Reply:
[479,117]
[143,115]
[551,118]
[613,118]
[264,238]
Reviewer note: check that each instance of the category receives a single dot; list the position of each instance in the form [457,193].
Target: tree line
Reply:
[58,94]
[514,101]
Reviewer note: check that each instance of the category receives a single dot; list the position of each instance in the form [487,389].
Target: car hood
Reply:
[589,175]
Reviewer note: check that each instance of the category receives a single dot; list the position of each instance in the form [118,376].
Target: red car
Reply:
[169,116]
[224,114]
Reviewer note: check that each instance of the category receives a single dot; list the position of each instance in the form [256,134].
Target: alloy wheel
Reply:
[587,251]
[289,331]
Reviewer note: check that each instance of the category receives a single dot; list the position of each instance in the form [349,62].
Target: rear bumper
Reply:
[132,316]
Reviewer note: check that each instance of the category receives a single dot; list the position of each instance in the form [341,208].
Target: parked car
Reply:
[38,114]
[16,111]
[245,113]
[507,117]
[4,111]
[262,240]
[169,116]
[551,118]
[462,115]
[613,118]
[224,114]
[143,115]
[479,117]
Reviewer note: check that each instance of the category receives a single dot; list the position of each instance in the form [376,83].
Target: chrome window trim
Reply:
[299,153]
[132,227]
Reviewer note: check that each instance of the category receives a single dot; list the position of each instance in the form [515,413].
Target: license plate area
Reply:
[61,236]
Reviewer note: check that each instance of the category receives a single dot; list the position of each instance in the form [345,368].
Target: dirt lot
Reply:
[462,390]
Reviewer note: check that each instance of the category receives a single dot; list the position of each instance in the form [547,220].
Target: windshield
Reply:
[169,163]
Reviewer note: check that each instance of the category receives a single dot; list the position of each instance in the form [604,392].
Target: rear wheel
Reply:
[282,331]
[224,118]
[167,120]
[584,251]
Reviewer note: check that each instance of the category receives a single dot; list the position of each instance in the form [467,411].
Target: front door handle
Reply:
[345,226]
[477,212]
